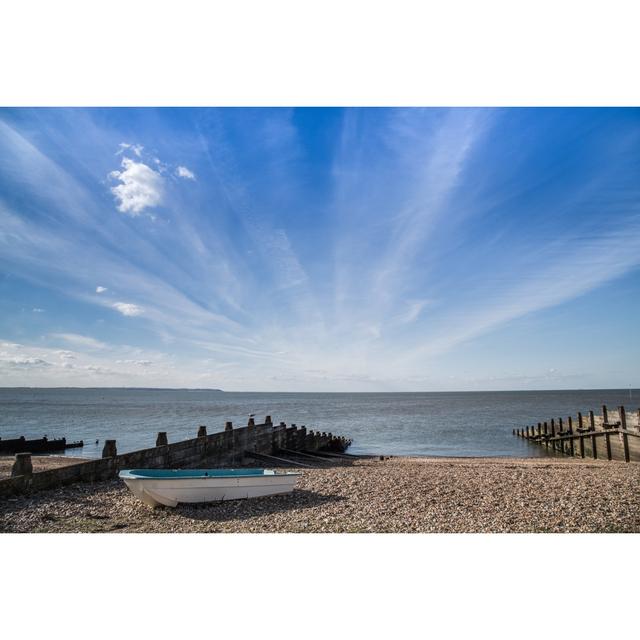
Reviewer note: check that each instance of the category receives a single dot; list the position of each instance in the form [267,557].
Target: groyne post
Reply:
[22,465]
[579,420]
[109,450]
[161,440]
[592,429]
[228,426]
[202,431]
[607,442]
[605,415]
[570,430]
[625,446]
[623,417]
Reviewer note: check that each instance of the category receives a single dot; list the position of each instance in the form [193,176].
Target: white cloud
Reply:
[93,368]
[25,362]
[136,148]
[128,309]
[183,172]
[65,355]
[79,340]
[141,187]
[37,310]
[101,289]
[138,363]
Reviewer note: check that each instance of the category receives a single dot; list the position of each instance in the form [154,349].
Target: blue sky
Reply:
[320,249]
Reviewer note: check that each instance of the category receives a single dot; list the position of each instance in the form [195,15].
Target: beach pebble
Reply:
[396,495]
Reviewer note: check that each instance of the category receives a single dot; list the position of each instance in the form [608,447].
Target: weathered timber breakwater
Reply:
[614,435]
[38,445]
[233,446]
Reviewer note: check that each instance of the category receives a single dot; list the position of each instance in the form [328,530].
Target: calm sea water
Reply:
[443,424]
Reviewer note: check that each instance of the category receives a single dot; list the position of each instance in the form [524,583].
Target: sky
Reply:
[345,249]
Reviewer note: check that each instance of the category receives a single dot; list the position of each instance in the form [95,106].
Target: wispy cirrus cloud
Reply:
[79,340]
[354,254]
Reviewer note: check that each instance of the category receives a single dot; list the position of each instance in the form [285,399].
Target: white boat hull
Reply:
[171,491]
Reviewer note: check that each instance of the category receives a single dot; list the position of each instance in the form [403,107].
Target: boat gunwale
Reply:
[130,474]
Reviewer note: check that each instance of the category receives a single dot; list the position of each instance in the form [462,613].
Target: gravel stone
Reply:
[403,495]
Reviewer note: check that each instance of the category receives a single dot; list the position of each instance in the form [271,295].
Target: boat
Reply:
[169,487]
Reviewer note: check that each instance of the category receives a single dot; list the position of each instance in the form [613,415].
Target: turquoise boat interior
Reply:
[160,474]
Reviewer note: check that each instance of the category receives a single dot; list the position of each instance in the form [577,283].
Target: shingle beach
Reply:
[439,495]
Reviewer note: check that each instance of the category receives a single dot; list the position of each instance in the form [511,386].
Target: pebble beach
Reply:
[399,495]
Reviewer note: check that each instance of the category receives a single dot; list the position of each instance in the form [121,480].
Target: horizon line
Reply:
[326,392]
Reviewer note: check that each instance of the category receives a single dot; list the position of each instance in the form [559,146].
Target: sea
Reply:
[414,424]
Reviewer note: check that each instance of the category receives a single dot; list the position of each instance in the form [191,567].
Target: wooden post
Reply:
[109,450]
[571,450]
[605,415]
[581,446]
[592,421]
[251,422]
[546,429]
[22,465]
[513,432]
[560,427]
[527,432]
[539,428]
[607,441]
[594,445]
[623,417]
[579,420]
[570,423]
[553,428]
[202,431]
[228,426]
[161,439]
[625,446]
[267,420]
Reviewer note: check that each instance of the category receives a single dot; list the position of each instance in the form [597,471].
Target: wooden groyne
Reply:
[613,435]
[38,445]
[233,446]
